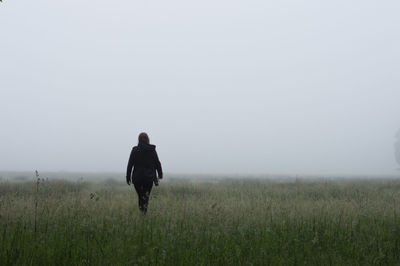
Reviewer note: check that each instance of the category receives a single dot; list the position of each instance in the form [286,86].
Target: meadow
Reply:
[201,222]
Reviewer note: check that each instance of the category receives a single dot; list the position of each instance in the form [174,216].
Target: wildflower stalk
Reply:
[36,197]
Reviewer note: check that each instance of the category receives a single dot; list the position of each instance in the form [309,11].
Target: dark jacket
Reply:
[144,161]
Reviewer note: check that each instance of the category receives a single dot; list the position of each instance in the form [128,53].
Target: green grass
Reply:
[225,222]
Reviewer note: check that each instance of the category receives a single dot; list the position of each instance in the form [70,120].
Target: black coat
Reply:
[144,161]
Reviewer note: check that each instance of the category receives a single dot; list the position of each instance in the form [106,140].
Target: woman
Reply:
[144,161]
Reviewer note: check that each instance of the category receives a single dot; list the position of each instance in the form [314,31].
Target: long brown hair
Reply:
[143,137]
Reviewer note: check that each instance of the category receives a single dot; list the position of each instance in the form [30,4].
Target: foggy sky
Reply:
[255,87]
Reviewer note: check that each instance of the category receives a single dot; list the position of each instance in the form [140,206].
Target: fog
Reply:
[235,87]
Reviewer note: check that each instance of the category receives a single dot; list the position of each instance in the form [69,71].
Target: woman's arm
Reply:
[129,168]
[158,166]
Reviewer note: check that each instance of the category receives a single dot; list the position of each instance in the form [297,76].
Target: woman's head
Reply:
[143,137]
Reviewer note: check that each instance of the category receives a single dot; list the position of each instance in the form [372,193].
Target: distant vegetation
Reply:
[397,147]
[226,222]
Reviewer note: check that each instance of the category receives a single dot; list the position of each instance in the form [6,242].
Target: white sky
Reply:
[288,87]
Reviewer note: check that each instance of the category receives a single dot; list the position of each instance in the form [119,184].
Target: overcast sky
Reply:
[254,87]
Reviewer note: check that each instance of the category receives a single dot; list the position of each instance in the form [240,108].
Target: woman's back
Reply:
[145,162]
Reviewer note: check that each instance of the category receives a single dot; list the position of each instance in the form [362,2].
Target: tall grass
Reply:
[224,222]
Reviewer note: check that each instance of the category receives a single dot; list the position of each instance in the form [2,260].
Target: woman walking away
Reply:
[145,163]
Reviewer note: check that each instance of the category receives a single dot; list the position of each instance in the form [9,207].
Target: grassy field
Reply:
[223,222]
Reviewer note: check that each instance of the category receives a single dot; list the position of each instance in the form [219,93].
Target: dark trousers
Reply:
[143,190]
